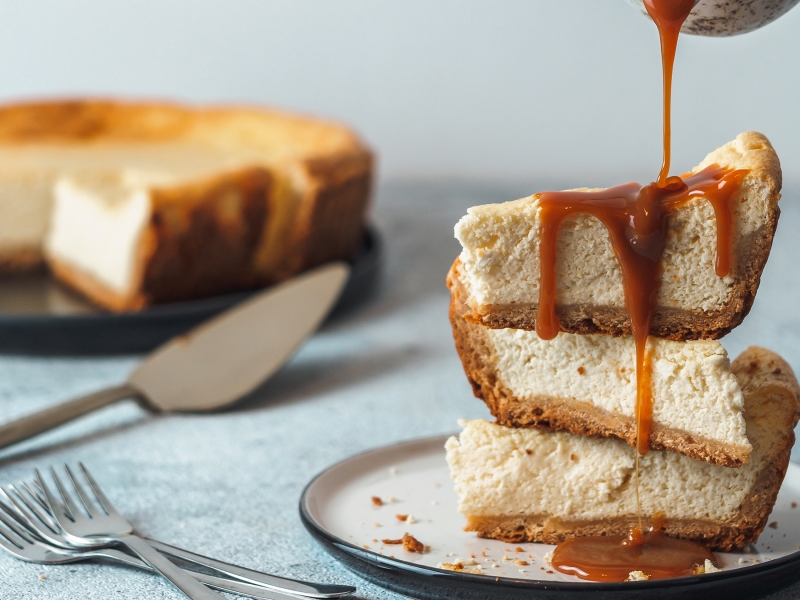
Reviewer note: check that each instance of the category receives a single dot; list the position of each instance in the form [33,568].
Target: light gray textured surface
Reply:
[228,484]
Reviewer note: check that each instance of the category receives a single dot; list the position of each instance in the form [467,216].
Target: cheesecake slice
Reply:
[586,385]
[542,486]
[500,259]
[102,157]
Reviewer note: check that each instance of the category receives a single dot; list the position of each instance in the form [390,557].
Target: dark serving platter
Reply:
[39,316]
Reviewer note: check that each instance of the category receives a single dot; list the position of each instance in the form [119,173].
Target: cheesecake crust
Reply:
[562,414]
[771,396]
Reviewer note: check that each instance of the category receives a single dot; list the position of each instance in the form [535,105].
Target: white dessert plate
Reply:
[412,479]
[39,316]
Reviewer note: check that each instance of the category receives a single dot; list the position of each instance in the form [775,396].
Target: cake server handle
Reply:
[52,417]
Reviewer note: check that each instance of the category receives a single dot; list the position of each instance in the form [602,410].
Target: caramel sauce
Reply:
[612,558]
[636,219]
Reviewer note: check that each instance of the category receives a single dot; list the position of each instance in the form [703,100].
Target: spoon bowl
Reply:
[720,18]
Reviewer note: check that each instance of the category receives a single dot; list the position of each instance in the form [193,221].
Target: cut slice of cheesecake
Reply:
[320,179]
[500,259]
[127,239]
[541,486]
[586,384]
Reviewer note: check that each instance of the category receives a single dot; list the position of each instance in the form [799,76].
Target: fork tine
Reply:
[55,506]
[13,532]
[30,509]
[35,490]
[101,497]
[87,502]
[66,497]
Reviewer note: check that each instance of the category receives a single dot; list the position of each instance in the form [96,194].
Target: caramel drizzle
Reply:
[636,219]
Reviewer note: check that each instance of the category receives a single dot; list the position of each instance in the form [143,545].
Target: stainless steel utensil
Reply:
[24,544]
[31,507]
[89,525]
[217,362]
[729,17]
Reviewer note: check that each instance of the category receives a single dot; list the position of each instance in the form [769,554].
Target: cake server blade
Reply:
[217,362]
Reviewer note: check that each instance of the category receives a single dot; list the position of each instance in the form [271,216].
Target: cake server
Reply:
[217,362]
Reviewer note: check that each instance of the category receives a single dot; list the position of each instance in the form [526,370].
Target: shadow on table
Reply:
[311,377]
[35,448]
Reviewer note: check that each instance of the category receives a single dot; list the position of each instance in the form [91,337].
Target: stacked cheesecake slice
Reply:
[559,459]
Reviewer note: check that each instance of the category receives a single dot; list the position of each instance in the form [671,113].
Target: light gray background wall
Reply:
[500,88]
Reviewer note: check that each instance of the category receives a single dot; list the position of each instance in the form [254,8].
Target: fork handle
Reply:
[305,589]
[52,417]
[218,583]
[176,576]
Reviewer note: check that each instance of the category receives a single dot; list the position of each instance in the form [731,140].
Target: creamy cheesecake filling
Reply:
[499,471]
[500,250]
[97,227]
[694,390]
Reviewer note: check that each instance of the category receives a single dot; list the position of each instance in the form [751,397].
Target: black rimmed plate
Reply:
[39,316]
[412,479]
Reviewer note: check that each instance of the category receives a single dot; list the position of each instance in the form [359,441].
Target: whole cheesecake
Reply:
[136,203]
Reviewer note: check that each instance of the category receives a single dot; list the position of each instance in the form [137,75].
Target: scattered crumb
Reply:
[794,505]
[366,547]
[637,576]
[581,370]
[707,567]
[378,525]
[449,554]
[741,561]
[518,549]
[548,558]
[412,544]
[506,557]
[452,566]
[377,501]
[392,470]
[427,548]
[495,566]
[476,571]
[438,485]
[710,568]
[375,541]
[483,553]
[42,576]
[528,451]
[468,562]
[549,572]
[389,542]
[773,525]
[521,563]
[472,555]
[401,517]
[410,519]
[391,500]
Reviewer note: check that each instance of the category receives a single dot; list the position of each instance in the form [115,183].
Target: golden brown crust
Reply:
[562,414]
[750,150]
[15,260]
[771,401]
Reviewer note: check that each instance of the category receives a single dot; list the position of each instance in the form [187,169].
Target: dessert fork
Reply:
[52,533]
[91,526]
[23,543]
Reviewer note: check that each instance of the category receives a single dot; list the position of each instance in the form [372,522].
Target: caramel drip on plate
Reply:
[612,558]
